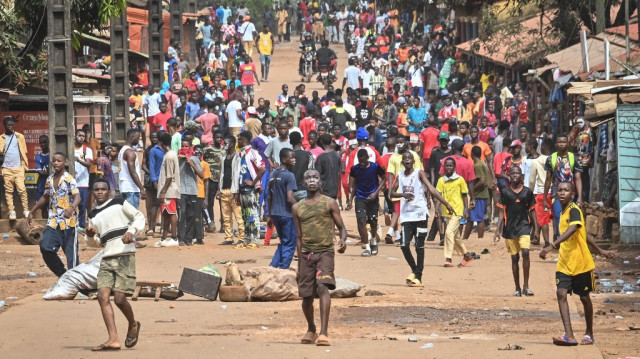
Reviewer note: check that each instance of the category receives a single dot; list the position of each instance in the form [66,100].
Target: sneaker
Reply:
[12,215]
[26,214]
[366,253]
[170,243]
[374,248]
[198,243]
[159,243]
[388,239]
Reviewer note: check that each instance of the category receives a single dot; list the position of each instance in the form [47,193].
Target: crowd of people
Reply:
[414,126]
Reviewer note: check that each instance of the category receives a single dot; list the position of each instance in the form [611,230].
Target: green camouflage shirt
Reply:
[213,156]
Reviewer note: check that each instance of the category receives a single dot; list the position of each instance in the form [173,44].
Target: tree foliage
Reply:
[23,29]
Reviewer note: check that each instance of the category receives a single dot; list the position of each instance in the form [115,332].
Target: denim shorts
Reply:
[133,198]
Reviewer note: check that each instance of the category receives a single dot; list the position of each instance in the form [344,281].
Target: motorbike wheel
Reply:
[326,84]
[308,78]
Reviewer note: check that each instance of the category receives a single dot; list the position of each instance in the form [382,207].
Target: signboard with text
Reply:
[32,124]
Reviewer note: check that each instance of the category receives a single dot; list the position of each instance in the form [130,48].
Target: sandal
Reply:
[466,261]
[415,283]
[309,338]
[448,264]
[587,340]
[131,342]
[103,348]
[517,293]
[563,341]
[410,278]
[528,292]
[323,341]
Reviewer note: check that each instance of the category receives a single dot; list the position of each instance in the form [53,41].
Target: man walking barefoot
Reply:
[116,222]
[312,216]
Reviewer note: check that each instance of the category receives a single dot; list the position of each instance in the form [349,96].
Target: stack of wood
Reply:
[595,217]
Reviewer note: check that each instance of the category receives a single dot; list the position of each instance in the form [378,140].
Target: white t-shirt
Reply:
[416,209]
[153,102]
[416,76]
[232,112]
[82,172]
[366,79]
[352,74]
[379,62]
[247,29]
[360,42]
[11,152]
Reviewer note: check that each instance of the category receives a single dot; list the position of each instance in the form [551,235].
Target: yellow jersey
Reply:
[265,45]
[574,256]
[452,192]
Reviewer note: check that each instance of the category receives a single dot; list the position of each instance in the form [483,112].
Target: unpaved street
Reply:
[463,312]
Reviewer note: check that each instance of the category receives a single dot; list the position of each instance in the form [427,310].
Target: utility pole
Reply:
[176,20]
[119,92]
[59,86]
[156,44]
[626,29]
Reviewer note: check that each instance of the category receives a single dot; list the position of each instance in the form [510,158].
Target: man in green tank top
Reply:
[314,217]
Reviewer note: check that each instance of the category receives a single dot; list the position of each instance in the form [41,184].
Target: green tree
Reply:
[23,29]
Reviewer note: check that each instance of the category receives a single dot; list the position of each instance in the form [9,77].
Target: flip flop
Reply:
[448,264]
[131,342]
[563,341]
[466,261]
[323,341]
[517,293]
[309,338]
[587,340]
[528,292]
[103,348]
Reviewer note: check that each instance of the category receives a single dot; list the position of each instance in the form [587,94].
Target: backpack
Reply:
[554,159]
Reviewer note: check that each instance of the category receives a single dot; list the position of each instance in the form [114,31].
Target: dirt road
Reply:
[461,311]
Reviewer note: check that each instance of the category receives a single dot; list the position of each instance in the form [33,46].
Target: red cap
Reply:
[516,143]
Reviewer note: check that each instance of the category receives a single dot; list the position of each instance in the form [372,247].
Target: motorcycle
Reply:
[326,76]
[307,63]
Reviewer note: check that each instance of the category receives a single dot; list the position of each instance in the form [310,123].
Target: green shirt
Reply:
[482,171]
[213,156]
[176,142]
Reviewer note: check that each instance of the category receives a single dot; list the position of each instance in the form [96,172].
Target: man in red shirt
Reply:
[191,83]
[523,111]
[249,73]
[428,140]
[307,125]
[160,119]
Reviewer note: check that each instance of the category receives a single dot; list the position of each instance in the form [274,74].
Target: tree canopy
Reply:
[23,29]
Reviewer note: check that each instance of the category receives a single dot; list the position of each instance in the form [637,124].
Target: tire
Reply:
[308,78]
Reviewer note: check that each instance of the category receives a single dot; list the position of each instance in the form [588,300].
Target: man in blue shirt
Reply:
[416,116]
[282,184]
[42,167]
[366,180]
[220,15]
[156,155]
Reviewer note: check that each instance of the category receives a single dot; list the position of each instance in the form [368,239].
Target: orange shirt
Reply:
[207,175]
[466,150]
[403,54]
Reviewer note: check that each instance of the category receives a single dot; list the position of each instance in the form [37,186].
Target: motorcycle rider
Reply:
[307,45]
[326,56]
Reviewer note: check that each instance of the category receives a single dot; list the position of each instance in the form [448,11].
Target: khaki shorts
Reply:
[313,269]
[318,29]
[515,245]
[118,273]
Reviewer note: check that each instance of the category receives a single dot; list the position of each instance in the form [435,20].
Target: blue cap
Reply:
[362,134]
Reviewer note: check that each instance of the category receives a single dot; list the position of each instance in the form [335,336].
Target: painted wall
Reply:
[628,135]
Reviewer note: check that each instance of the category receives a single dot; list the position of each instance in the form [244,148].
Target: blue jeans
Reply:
[52,240]
[82,208]
[133,198]
[263,194]
[287,246]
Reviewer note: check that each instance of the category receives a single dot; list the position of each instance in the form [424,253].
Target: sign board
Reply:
[628,142]
[32,124]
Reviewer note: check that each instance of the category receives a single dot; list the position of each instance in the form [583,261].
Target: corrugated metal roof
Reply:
[500,46]
[570,59]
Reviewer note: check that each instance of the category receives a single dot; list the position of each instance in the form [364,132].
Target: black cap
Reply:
[457,144]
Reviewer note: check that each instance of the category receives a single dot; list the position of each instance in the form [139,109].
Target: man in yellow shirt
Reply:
[265,49]
[574,272]
[282,15]
[454,190]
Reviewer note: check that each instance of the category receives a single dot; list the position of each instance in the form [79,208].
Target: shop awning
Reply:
[105,45]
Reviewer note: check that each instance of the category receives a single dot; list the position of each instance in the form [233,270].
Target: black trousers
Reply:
[409,231]
[186,218]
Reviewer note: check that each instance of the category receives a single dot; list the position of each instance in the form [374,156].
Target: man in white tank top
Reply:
[130,180]
[411,188]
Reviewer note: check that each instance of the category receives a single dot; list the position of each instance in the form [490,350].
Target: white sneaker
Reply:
[170,243]
[12,215]
[26,214]
[159,243]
